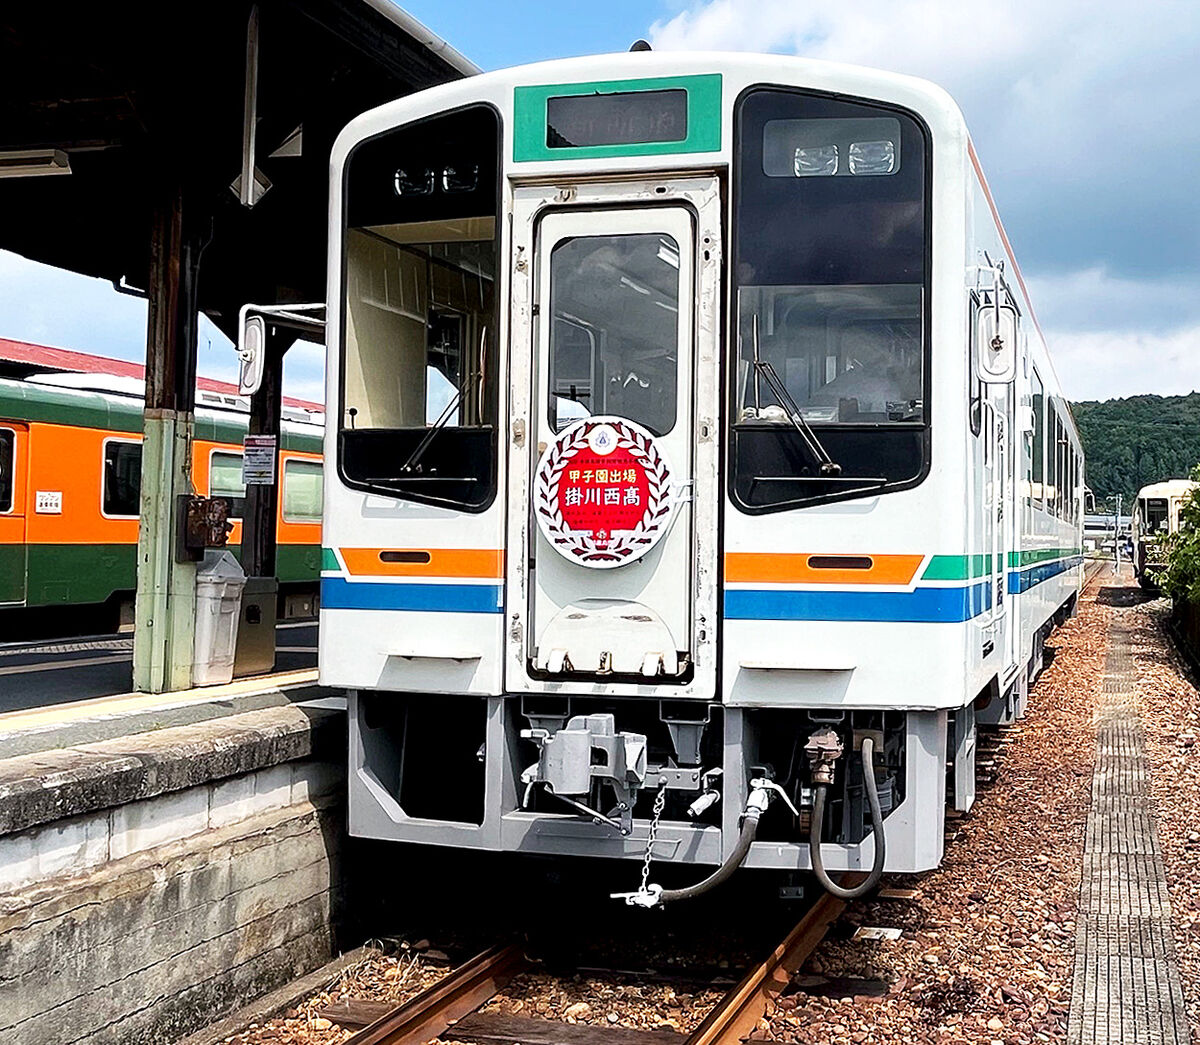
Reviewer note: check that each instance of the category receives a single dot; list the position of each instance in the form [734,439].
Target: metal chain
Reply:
[660,801]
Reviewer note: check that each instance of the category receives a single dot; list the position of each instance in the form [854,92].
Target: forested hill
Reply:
[1139,440]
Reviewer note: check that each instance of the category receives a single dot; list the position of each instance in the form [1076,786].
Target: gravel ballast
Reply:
[986,949]
[986,946]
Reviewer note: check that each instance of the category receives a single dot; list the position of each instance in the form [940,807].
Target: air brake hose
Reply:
[725,871]
[818,817]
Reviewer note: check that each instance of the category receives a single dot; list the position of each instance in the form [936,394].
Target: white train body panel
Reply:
[897,608]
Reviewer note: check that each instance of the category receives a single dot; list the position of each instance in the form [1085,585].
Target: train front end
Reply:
[630,534]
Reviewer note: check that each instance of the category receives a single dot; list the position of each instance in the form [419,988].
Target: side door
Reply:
[1007,530]
[1000,526]
[611,513]
[14,471]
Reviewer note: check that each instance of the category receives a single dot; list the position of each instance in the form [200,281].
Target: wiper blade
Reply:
[444,417]
[784,398]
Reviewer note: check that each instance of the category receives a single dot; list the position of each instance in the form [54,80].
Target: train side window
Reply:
[1061,469]
[1053,435]
[1037,465]
[8,465]
[121,492]
[302,494]
[225,480]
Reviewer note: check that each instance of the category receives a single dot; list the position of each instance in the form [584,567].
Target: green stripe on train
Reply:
[293,562]
[12,573]
[84,574]
[329,559]
[957,567]
[79,574]
[1019,560]
[964,567]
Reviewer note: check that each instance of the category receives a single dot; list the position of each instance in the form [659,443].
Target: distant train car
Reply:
[1155,515]
[698,470]
[70,483]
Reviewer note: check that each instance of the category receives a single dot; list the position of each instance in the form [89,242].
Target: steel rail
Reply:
[439,1007]
[738,1013]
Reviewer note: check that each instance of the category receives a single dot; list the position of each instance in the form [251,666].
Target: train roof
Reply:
[24,359]
[86,408]
[1168,488]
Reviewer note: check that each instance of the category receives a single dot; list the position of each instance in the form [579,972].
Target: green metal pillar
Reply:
[166,588]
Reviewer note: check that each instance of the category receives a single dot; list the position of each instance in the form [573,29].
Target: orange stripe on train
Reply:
[424,562]
[819,568]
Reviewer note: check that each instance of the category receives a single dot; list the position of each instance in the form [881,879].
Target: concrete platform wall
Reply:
[211,879]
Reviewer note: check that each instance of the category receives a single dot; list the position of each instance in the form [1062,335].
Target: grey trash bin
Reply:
[219,583]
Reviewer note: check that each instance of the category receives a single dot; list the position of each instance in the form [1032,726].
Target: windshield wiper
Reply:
[444,417]
[784,398]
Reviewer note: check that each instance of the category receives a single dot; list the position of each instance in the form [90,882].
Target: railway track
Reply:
[449,1009]
[1094,568]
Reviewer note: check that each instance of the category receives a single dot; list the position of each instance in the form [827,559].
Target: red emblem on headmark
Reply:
[602,492]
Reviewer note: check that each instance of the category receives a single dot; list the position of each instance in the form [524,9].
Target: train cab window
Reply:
[831,328]
[302,495]
[225,480]
[8,465]
[420,383]
[121,490]
[613,345]
[1156,513]
[1037,464]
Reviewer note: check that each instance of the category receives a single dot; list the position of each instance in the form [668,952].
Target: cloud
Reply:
[1084,116]
[1105,364]
[1083,113]
[1112,336]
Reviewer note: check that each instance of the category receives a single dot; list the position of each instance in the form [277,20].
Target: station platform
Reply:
[167,857]
[42,673]
[1127,984]
[74,722]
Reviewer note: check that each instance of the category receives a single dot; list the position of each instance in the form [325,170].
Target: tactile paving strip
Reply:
[1126,987]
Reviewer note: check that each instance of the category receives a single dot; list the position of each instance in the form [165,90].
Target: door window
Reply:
[225,480]
[302,497]
[8,467]
[122,487]
[614,340]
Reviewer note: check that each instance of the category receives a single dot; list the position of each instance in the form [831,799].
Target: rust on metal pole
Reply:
[165,605]
[439,1007]
[262,502]
[171,319]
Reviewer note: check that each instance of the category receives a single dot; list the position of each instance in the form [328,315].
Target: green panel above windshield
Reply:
[652,117]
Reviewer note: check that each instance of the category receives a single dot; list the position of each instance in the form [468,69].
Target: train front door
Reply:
[14,453]
[612,547]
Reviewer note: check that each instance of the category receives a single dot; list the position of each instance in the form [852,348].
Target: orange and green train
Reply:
[70,483]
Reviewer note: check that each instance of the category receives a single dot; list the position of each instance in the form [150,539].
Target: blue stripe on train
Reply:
[923,605]
[1019,581]
[337,593]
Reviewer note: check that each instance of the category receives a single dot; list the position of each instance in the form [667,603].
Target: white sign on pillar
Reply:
[258,460]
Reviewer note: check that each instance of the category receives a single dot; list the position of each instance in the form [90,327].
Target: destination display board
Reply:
[622,118]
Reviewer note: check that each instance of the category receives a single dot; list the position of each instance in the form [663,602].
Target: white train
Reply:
[1155,515]
[700,472]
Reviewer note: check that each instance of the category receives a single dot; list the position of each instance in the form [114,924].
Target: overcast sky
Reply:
[1086,117]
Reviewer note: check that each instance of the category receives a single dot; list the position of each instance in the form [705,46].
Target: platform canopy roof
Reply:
[143,94]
